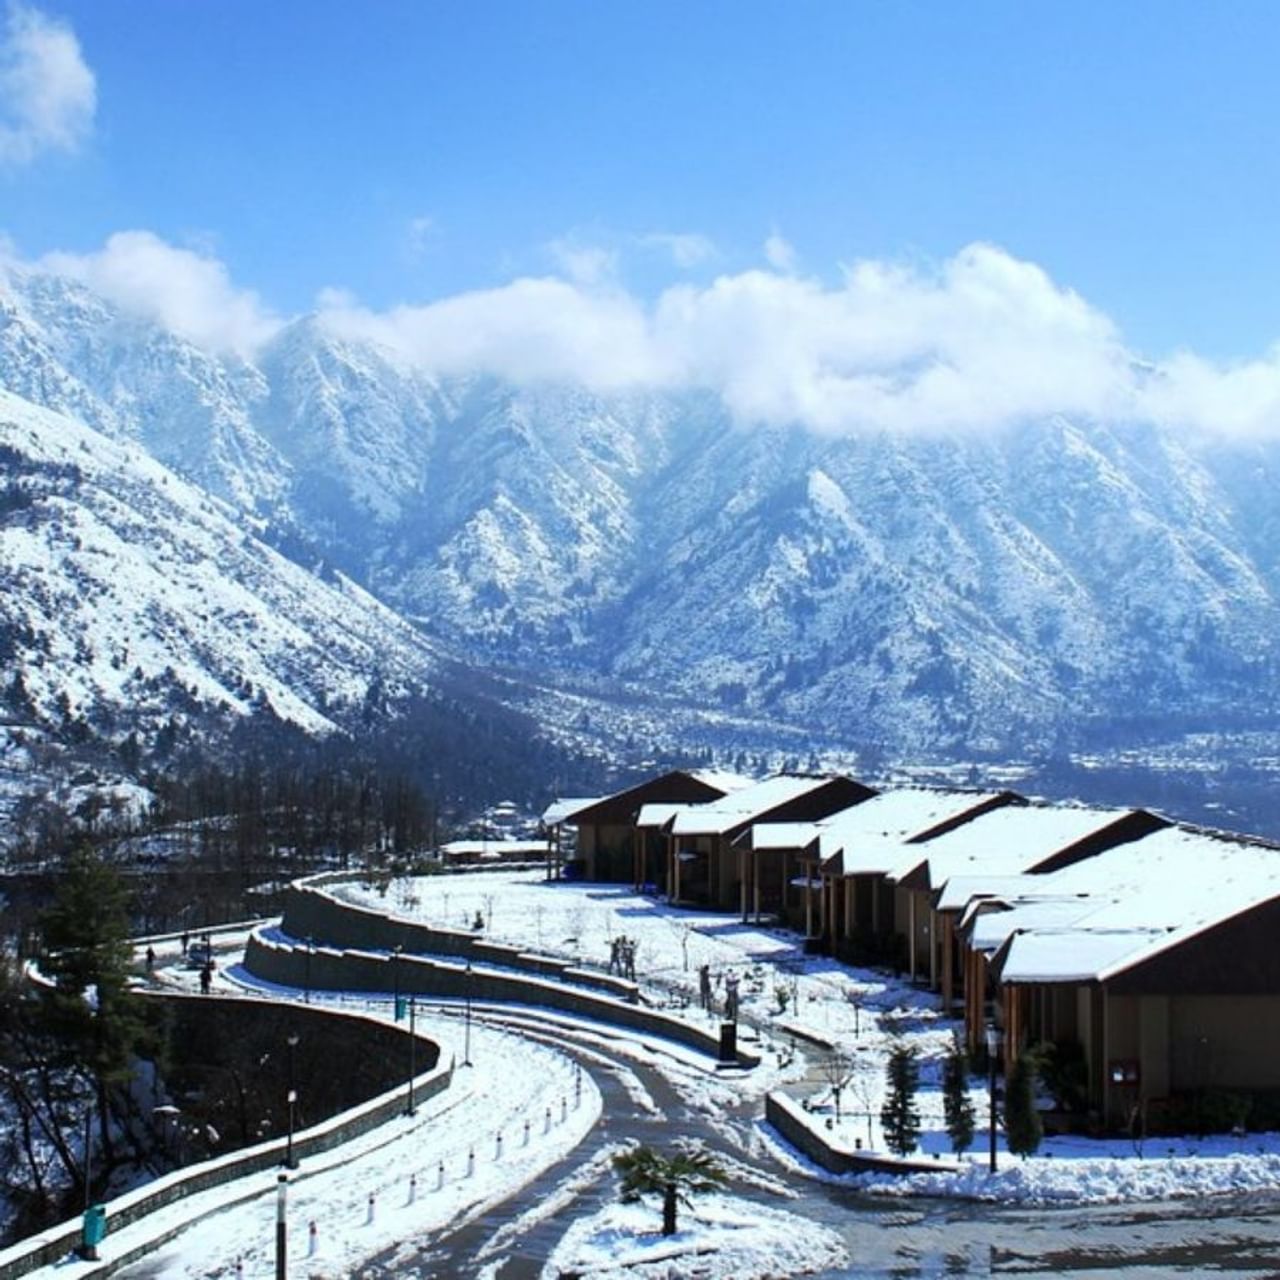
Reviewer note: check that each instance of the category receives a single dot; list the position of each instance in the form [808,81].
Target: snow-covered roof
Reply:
[657,815]
[1093,920]
[493,848]
[740,807]
[723,780]
[872,833]
[562,810]
[784,835]
[1005,841]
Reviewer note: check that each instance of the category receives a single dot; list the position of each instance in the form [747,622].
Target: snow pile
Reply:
[719,1236]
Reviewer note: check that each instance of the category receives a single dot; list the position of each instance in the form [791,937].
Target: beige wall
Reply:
[1224,1042]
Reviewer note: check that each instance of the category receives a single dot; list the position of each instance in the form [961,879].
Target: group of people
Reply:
[622,957]
[706,994]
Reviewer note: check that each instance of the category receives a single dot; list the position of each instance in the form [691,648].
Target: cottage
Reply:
[1157,959]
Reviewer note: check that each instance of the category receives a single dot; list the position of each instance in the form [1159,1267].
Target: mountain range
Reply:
[287,529]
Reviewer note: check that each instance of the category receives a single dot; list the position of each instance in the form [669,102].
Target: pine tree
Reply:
[87,955]
[956,1104]
[899,1117]
[1023,1130]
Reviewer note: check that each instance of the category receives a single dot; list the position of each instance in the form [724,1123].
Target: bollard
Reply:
[497,1147]
[526,1133]
[440,1175]
[313,1239]
[564,1110]
[471,1163]
[546,1123]
[369,1219]
[239,1269]
[413,1188]
[577,1088]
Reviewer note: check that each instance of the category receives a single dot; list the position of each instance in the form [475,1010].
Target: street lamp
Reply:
[995,1042]
[466,1043]
[289,1161]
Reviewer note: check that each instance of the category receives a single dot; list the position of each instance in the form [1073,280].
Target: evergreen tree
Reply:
[956,1104]
[898,1116]
[86,953]
[1023,1130]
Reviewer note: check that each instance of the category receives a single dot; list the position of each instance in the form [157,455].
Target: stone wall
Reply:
[50,1246]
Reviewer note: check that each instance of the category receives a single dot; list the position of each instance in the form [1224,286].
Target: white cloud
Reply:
[584,264]
[187,291]
[687,248]
[779,253]
[47,92]
[983,341]
[979,342]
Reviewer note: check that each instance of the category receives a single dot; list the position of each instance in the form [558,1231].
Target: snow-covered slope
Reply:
[1003,591]
[123,587]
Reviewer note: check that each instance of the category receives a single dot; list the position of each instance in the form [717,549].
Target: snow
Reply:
[1092,920]
[564,810]
[718,1235]
[517,1076]
[1005,841]
[739,807]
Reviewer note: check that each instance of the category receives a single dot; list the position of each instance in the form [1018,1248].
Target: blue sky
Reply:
[406,152]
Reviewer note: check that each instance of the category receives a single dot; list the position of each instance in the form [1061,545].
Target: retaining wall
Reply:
[50,1246]
[802,1131]
[349,969]
[310,911]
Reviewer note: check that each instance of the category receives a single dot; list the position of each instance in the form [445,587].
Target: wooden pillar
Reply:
[848,906]
[911,931]
[933,950]
[948,961]
[674,863]
[755,881]
[742,883]
[808,902]
[875,906]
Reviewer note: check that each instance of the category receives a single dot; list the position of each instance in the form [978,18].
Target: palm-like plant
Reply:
[677,1177]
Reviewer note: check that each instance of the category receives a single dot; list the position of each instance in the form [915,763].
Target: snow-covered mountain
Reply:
[127,593]
[995,591]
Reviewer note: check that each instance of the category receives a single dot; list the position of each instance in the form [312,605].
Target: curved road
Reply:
[885,1238]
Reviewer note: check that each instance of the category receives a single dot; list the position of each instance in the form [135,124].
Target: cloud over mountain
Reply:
[980,342]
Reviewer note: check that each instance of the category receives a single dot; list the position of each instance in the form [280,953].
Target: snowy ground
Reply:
[718,1236]
[861,1011]
[518,1077]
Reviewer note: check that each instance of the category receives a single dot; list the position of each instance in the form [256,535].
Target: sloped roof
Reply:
[562,810]
[717,817]
[1005,841]
[1100,917]
[871,834]
[657,815]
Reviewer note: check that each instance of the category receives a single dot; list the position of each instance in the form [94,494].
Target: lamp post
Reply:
[995,1041]
[282,1196]
[466,1042]
[289,1162]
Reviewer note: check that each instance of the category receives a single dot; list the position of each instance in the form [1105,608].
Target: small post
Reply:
[526,1133]
[413,1188]
[413,1051]
[372,1209]
[466,1042]
[497,1147]
[282,1199]
[564,1109]
[546,1122]
[471,1163]
[313,1239]
[440,1175]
